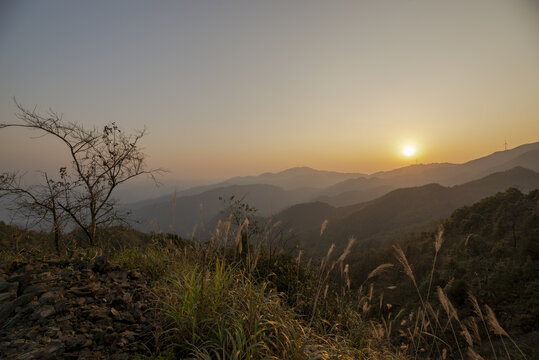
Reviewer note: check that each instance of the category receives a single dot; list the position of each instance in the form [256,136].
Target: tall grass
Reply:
[233,298]
[239,296]
[434,329]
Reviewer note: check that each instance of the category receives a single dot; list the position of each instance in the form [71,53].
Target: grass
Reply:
[233,298]
[434,329]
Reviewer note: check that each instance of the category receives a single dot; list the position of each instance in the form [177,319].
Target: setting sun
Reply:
[408,151]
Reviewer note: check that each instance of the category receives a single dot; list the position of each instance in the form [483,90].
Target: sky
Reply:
[228,88]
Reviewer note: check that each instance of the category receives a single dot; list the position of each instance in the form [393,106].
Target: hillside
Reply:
[212,295]
[181,214]
[298,177]
[273,192]
[361,189]
[453,174]
[353,191]
[408,208]
[337,189]
[489,249]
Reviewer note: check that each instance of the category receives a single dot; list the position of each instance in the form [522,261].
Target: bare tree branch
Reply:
[101,160]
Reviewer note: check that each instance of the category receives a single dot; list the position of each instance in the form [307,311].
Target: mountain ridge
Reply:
[400,209]
[291,186]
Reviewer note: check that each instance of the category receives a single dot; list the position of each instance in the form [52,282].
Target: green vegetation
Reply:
[465,290]
[486,254]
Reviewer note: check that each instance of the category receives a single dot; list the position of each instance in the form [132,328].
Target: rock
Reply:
[98,314]
[47,297]
[73,310]
[32,354]
[64,318]
[74,342]
[18,342]
[129,335]
[35,289]
[33,332]
[53,351]
[99,337]
[61,305]
[134,274]
[12,286]
[7,296]
[3,285]
[119,302]
[46,311]
[24,299]
[128,318]
[111,338]
[99,264]
[81,291]
[6,310]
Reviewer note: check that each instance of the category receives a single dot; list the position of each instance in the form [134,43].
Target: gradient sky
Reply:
[231,88]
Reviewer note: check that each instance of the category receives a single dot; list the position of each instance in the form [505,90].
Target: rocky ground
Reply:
[74,310]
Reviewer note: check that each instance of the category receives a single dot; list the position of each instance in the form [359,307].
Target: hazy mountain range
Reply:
[400,210]
[407,197]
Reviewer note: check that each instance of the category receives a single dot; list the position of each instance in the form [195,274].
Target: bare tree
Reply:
[101,160]
[36,203]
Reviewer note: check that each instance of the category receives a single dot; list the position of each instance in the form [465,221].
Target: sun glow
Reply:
[408,151]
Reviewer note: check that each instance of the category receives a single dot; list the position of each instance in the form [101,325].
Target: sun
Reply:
[408,151]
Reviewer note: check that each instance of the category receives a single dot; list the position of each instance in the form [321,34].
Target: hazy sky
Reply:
[241,87]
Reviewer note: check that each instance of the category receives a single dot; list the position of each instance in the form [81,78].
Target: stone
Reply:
[7,296]
[6,310]
[99,264]
[61,305]
[52,332]
[46,311]
[3,285]
[53,351]
[98,314]
[73,310]
[32,354]
[35,289]
[73,342]
[24,299]
[48,297]
[99,337]
[81,291]
[129,335]
[134,274]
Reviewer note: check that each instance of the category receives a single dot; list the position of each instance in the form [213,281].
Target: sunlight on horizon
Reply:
[409,150]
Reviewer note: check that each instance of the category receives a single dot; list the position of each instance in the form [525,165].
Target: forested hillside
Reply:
[489,249]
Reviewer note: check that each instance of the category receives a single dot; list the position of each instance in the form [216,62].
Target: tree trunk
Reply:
[57,237]
[56,229]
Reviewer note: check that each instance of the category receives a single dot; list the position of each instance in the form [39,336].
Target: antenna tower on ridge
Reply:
[505,145]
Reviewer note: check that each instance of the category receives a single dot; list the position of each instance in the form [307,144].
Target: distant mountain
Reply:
[289,179]
[367,188]
[180,214]
[353,191]
[453,174]
[298,177]
[399,210]
[303,184]
[529,160]
[306,216]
